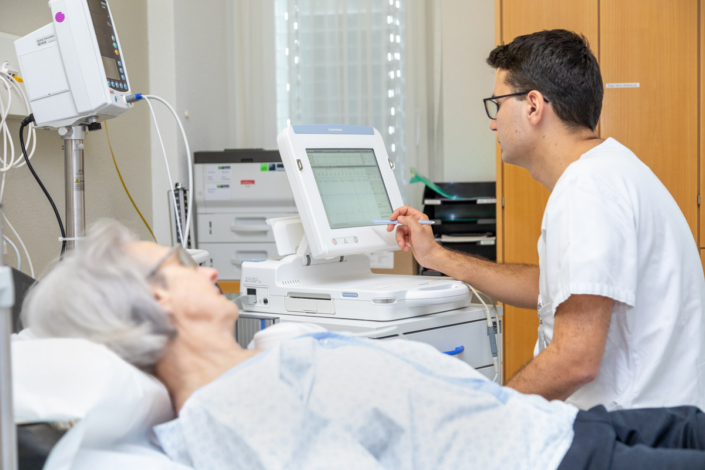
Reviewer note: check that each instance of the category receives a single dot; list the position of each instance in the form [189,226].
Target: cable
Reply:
[491,333]
[24,248]
[123,184]
[17,252]
[184,240]
[168,171]
[26,121]
[11,81]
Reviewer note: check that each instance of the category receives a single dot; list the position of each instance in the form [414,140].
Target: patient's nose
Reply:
[210,273]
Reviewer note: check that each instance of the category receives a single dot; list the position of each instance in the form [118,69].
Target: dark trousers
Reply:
[651,438]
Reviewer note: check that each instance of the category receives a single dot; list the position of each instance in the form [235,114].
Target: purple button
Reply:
[60,17]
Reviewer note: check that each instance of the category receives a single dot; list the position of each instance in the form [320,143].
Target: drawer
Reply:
[225,228]
[227,258]
[471,336]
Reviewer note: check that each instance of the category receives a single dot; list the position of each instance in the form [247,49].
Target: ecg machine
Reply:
[342,180]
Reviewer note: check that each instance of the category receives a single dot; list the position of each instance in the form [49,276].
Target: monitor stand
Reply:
[343,287]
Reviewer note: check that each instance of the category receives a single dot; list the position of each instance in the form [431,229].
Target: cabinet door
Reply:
[654,43]
[524,198]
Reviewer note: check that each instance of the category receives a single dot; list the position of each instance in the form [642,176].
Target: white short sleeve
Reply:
[590,244]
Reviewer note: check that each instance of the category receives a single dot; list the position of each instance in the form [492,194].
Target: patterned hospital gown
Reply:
[328,401]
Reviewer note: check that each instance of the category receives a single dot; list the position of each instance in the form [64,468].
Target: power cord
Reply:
[25,122]
[10,81]
[492,333]
[125,186]
[183,232]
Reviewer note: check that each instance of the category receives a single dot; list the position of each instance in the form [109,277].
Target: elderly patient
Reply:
[324,400]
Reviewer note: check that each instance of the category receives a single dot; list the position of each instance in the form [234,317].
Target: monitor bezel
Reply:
[370,239]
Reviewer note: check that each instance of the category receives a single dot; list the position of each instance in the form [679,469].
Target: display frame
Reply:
[324,241]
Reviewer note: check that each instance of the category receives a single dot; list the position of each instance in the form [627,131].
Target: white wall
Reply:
[468,37]
[209,60]
[23,201]
[188,58]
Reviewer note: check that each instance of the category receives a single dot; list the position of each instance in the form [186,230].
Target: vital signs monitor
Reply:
[342,181]
[74,68]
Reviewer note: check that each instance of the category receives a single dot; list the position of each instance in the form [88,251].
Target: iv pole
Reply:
[8,432]
[73,137]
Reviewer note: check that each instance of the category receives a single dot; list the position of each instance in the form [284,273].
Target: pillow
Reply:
[117,405]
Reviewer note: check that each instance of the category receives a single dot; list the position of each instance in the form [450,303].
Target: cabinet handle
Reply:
[250,228]
[455,351]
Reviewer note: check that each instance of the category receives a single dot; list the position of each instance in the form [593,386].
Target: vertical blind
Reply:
[342,62]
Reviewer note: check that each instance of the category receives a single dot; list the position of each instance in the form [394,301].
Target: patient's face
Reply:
[189,293]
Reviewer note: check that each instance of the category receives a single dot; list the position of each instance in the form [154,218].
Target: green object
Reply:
[264,167]
[416,178]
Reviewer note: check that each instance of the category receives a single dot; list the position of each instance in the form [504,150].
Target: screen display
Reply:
[351,186]
[113,62]
[111,68]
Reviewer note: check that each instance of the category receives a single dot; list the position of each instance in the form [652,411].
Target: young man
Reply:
[619,287]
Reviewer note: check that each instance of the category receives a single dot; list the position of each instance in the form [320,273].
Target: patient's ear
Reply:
[162,295]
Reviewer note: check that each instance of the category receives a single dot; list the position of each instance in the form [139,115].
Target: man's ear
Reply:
[536,107]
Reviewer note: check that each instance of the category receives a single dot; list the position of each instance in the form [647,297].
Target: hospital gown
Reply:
[328,401]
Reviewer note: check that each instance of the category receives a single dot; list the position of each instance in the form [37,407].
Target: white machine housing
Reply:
[318,277]
[324,241]
[73,68]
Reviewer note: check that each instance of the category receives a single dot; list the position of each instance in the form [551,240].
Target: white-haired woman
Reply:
[323,400]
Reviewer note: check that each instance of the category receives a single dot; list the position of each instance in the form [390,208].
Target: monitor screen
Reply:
[351,186]
[111,68]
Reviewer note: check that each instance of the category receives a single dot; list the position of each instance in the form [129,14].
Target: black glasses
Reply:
[181,254]
[492,106]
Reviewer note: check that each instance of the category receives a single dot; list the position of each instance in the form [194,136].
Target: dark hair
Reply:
[559,64]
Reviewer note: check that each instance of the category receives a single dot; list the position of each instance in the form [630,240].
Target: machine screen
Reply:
[111,68]
[351,186]
[108,46]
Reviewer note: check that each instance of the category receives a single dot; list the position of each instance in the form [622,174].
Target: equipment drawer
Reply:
[243,227]
[471,336]
[227,258]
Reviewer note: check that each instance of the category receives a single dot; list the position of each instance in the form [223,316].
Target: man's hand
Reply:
[411,234]
[574,356]
[514,284]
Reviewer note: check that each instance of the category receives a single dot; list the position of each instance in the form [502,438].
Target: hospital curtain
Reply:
[343,62]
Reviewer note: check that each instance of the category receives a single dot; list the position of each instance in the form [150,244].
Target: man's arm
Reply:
[514,284]
[573,358]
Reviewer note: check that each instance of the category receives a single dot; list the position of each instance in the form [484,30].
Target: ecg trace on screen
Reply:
[351,186]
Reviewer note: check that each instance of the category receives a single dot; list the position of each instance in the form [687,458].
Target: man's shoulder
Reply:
[610,169]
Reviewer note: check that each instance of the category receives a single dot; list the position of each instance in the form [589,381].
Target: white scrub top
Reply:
[611,228]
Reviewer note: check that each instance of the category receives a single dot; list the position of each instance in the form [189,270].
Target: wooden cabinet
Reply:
[654,43]
[650,42]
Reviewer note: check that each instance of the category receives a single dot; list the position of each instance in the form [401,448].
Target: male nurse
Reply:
[619,287]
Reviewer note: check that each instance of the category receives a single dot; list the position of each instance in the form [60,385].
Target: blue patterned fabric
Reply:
[335,402]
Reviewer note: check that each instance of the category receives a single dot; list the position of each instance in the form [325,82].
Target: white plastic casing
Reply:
[63,71]
[293,142]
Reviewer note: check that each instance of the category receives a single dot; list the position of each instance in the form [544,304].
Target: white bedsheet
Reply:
[330,401]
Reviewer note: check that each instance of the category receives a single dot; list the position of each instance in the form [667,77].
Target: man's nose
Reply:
[493,125]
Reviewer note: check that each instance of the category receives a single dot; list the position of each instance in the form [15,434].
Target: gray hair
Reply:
[100,293]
